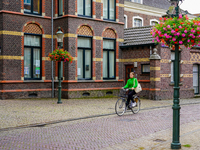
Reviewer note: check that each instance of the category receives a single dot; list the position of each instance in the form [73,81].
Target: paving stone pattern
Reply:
[94,134]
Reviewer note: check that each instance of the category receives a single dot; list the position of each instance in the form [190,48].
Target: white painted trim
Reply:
[126,20]
[155,20]
[137,17]
[143,9]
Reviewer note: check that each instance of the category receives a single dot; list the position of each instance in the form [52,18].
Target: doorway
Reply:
[129,68]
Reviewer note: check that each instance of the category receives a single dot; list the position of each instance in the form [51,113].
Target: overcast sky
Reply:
[192,6]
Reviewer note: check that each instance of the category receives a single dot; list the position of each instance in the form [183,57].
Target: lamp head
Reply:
[60,35]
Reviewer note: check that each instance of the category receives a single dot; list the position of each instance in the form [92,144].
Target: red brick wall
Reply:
[11,5]
[134,53]
[146,18]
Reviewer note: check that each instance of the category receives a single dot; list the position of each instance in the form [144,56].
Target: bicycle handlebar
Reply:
[127,89]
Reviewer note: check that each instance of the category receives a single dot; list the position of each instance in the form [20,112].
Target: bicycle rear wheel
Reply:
[120,106]
[136,109]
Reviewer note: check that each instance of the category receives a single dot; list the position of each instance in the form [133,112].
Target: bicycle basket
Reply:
[123,93]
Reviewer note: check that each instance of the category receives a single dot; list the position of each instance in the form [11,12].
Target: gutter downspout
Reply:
[52,94]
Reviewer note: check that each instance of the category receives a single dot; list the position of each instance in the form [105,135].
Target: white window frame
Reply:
[153,20]
[137,17]
[141,1]
[126,21]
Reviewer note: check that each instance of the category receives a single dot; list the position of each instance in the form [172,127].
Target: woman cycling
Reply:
[131,84]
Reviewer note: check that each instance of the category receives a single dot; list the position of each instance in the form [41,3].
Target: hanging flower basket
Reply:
[60,55]
[178,30]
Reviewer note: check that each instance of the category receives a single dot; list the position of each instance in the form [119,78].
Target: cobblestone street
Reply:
[149,129]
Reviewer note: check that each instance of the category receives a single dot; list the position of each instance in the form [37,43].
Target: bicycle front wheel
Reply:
[120,106]
[136,109]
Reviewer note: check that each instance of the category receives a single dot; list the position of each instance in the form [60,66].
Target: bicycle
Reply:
[121,103]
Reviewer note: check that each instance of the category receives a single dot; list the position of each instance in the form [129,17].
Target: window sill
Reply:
[33,80]
[88,18]
[33,15]
[95,81]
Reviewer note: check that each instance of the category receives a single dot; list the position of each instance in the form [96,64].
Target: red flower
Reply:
[176,42]
[176,30]
[192,41]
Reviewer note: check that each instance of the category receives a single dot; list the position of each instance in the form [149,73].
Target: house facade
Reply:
[93,31]
[104,53]
[155,69]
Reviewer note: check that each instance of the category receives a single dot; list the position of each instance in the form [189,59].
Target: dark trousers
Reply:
[130,96]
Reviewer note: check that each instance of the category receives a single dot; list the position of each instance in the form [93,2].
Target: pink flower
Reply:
[180,42]
[159,32]
[164,29]
[174,39]
[172,31]
[152,40]
[178,34]
[157,38]
[188,40]
[183,35]
[185,31]
[193,31]
[198,24]
[165,34]
[191,34]
[180,27]
[180,16]
[168,26]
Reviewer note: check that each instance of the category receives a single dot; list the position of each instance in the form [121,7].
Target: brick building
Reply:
[94,36]
[154,70]
[93,31]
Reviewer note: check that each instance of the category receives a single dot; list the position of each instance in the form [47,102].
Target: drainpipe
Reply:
[52,94]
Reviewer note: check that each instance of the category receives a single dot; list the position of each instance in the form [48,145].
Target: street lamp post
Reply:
[60,41]
[176,106]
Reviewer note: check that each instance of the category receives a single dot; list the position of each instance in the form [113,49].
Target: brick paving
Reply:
[109,132]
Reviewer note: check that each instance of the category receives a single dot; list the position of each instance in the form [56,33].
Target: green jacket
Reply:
[130,84]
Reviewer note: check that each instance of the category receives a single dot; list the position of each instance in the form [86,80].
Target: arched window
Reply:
[153,22]
[84,59]
[32,52]
[137,21]
[109,54]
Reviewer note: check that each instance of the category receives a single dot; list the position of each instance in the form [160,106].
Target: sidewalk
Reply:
[30,112]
